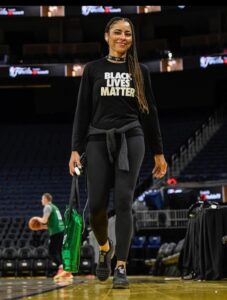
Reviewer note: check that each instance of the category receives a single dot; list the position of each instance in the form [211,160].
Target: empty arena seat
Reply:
[26,230]
[26,235]
[154,241]
[18,221]
[5,221]
[9,256]
[40,252]
[20,243]
[7,243]
[152,246]
[25,261]
[3,231]
[137,248]
[12,236]
[40,262]
[2,235]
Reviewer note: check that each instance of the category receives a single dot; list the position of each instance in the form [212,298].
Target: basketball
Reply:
[34,224]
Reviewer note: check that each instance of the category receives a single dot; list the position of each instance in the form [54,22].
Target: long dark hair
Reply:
[133,65]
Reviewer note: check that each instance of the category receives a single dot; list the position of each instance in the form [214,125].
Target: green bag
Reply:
[73,231]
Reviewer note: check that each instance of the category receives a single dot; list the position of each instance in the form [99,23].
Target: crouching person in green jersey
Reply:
[52,221]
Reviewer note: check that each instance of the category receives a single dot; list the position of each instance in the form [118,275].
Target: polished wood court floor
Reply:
[89,288]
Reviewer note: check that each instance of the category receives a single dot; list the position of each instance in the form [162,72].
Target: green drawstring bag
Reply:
[73,231]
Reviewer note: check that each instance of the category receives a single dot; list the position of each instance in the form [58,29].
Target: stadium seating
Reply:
[40,261]
[207,165]
[9,262]
[24,261]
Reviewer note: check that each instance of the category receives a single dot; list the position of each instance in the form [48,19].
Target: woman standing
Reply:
[115,110]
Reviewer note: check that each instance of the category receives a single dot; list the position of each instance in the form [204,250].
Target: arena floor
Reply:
[89,288]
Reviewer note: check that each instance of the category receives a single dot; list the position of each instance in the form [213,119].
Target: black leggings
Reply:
[55,246]
[101,176]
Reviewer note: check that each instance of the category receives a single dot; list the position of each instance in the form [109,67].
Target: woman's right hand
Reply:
[74,161]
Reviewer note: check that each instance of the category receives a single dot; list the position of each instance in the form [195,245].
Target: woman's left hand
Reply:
[160,167]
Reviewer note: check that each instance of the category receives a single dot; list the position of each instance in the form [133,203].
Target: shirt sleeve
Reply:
[83,111]
[150,121]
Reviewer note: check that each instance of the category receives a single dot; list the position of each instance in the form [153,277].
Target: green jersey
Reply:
[55,223]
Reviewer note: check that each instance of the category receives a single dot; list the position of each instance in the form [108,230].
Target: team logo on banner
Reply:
[205,61]
[20,71]
[86,10]
[10,12]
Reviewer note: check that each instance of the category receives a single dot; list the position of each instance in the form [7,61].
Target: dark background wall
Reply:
[57,101]
[21,100]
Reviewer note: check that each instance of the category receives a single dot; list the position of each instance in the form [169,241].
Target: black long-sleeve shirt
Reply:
[106,100]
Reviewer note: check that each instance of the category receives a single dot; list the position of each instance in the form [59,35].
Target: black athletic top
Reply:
[106,100]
